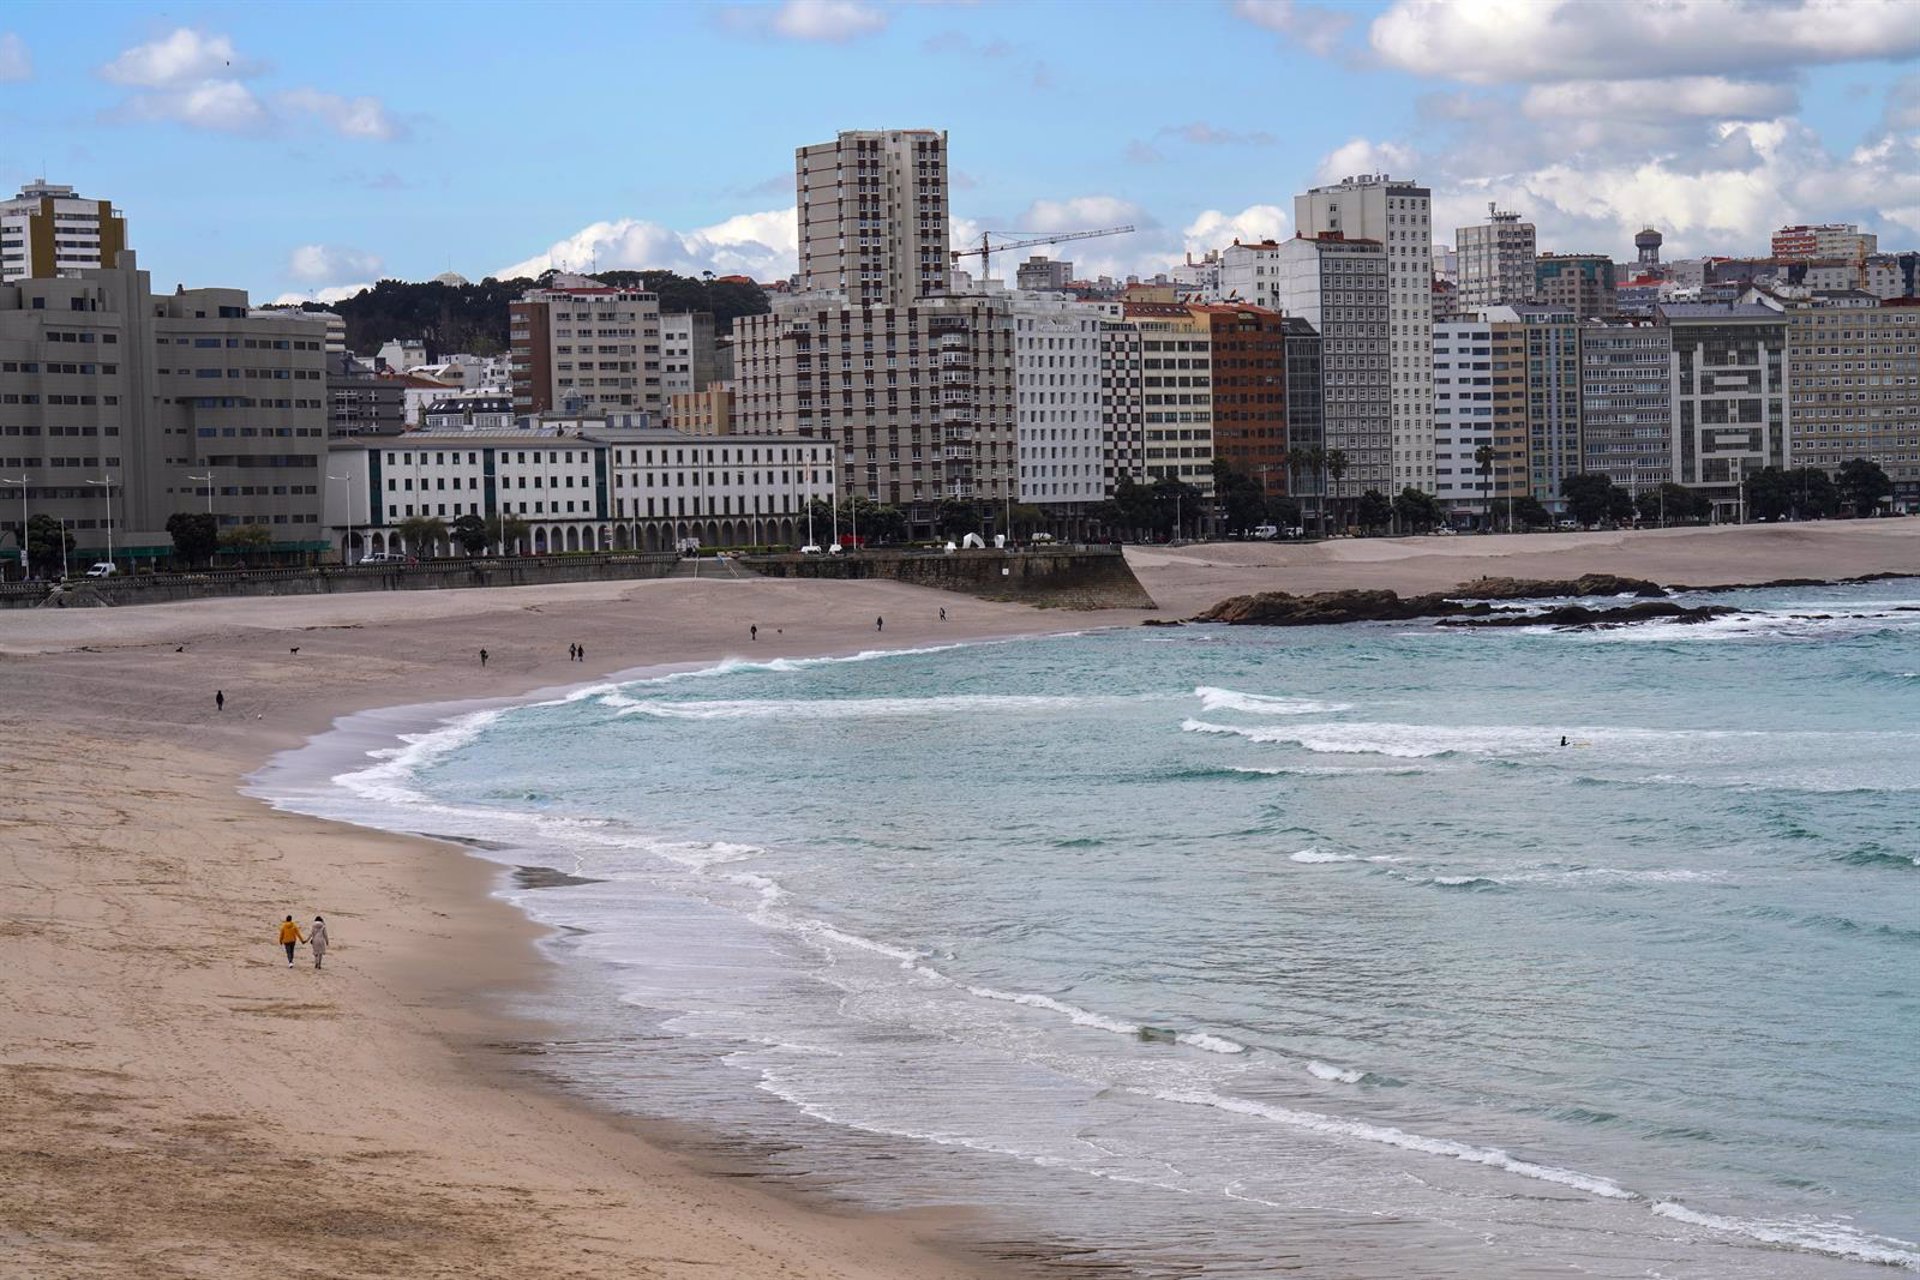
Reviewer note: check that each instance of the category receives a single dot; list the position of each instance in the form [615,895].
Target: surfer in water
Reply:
[1563,740]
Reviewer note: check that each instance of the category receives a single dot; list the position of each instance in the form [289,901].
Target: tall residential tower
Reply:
[873,216]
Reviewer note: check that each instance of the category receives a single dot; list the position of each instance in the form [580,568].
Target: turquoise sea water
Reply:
[1422,991]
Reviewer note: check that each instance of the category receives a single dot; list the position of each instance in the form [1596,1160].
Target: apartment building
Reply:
[47,232]
[1248,353]
[1176,393]
[1123,403]
[1626,407]
[597,489]
[1578,282]
[1731,414]
[1340,288]
[360,403]
[1494,261]
[704,413]
[688,357]
[586,347]
[919,399]
[1552,346]
[120,408]
[1398,215]
[1040,274]
[1306,412]
[1251,273]
[1061,436]
[1827,240]
[1853,379]
[873,216]
[1480,402]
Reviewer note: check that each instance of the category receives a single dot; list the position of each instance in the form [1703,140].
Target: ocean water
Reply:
[1243,951]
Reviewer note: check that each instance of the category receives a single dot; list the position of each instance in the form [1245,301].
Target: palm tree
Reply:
[1335,464]
[1483,456]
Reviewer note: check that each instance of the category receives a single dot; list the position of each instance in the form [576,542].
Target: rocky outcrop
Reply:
[1580,618]
[1587,584]
[1327,608]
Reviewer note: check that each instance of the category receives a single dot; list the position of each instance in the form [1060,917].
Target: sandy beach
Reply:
[174,1098]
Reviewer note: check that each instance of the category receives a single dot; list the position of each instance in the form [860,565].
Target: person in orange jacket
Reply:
[290,937]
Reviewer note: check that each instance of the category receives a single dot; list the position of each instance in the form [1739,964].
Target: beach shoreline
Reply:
[388,1122]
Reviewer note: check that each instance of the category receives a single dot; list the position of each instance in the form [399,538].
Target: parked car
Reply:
[1266,532]
[104,569]
[383,557]
[810,550]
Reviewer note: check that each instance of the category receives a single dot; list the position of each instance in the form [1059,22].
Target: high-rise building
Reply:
[1828,240]
[1123,402]
[1398,215]
[1578,282]
[48,231]
[1626,406]
[1176,393]
[1248,351]
[1549,339]
[123,408]
[1729,392]
[1855,388]
[1339,286]
[918,399]
[360,403]
[1495,261]
[1251,273]
[585,347]
[1306,414]
[873,216]
[1479,403]
[687,355]
[1056,388]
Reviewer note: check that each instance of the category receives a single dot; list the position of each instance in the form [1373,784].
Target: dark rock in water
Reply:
[1162,622]
[1587,584]
[1581,617]
[1279,609]
[546,878]
[1159,1035]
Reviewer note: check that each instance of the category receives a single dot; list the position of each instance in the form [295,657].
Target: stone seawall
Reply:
[1066,578]
[166,588]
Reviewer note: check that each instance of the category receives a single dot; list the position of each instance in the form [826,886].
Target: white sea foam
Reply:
[845,708]
[1335,1125]
[387,781]
[1321,855]
[1260,704]
[1832,1238]
[1211,1043]
[1344,1075]
[1073,1012]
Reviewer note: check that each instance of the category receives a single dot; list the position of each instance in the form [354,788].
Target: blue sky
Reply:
[306,148]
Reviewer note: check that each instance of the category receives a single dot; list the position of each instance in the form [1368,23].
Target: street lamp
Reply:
[26,567]
[346,552]
[209,479]
[108,484]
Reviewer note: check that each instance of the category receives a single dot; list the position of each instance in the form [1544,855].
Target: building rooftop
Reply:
[1718,311]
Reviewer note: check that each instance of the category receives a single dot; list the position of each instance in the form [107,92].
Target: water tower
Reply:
[1648,243]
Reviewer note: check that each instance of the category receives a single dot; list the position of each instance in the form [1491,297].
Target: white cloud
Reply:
[199,80]
[15,63]
[363,117]
[1213,229]
[828,21]
[316,262]
[1081,213]
[1363,156]
[762,245]
[224,106]
[1710,97]
[1317,29]
[333,293]
[181,58]
[1501,41]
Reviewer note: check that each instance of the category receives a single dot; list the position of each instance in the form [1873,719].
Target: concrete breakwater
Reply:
[1057,578]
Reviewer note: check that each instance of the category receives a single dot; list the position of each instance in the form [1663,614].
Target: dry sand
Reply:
[175,1102]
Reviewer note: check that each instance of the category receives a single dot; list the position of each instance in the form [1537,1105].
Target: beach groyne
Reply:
[1056,578]
[168,588]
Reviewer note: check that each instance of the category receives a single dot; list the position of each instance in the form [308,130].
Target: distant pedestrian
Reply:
[483,657]
[317,939]
[879,624]
[219,699]
[573,653]
[579,653]
[290,938]
[943,615]
[753,630]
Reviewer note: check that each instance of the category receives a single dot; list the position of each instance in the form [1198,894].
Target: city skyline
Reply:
[360,151]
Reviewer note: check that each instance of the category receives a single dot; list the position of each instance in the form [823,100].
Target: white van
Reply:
[104,569]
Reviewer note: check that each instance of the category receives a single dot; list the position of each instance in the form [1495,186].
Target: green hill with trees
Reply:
[473,317]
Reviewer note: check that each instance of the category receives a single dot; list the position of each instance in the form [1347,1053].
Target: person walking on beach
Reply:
[943,613]
[290,938]
[483,657]
[219,699]
[317,939]
[573,653]
[579,653]
[753,631]
[879,624]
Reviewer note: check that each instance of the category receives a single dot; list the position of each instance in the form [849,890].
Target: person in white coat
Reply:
[317,939]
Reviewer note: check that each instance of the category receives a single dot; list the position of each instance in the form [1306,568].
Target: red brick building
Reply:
[1249,389]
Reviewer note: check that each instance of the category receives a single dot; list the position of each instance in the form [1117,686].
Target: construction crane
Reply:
[988,247]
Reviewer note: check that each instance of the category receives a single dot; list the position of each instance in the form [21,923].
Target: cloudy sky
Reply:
[297,150]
